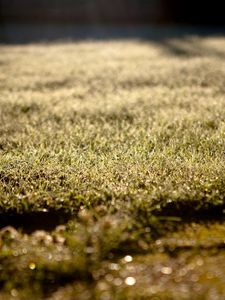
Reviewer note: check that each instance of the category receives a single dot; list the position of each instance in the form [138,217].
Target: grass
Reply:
[112,159]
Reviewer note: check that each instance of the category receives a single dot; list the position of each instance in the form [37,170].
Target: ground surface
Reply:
[112,174]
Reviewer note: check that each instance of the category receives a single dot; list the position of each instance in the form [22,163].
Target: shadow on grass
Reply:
[192,211]
[30,221]
[176,215]
[164,36]
[183,212]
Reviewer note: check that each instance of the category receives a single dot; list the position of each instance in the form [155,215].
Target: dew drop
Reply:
[114,266]
[130,281]
[117,281]
[14,293]
[166,270]
[32,266]
[128,258]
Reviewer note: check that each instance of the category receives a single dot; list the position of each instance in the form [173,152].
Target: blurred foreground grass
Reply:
[112,172]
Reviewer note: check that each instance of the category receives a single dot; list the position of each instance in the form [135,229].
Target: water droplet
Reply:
[117,281]
[128,258]
[158,242]
[194,278]
[24,251]
[199,262]
[109,277]
[105,296]
[14,293]
[32,266]
[89,250]
[166,270]
[114,266]
[130,281]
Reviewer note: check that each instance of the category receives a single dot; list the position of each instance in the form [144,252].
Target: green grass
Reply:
[112,172]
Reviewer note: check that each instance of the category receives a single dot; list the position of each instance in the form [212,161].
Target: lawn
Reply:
[112,177]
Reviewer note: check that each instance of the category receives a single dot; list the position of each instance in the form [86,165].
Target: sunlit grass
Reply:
[126,140]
